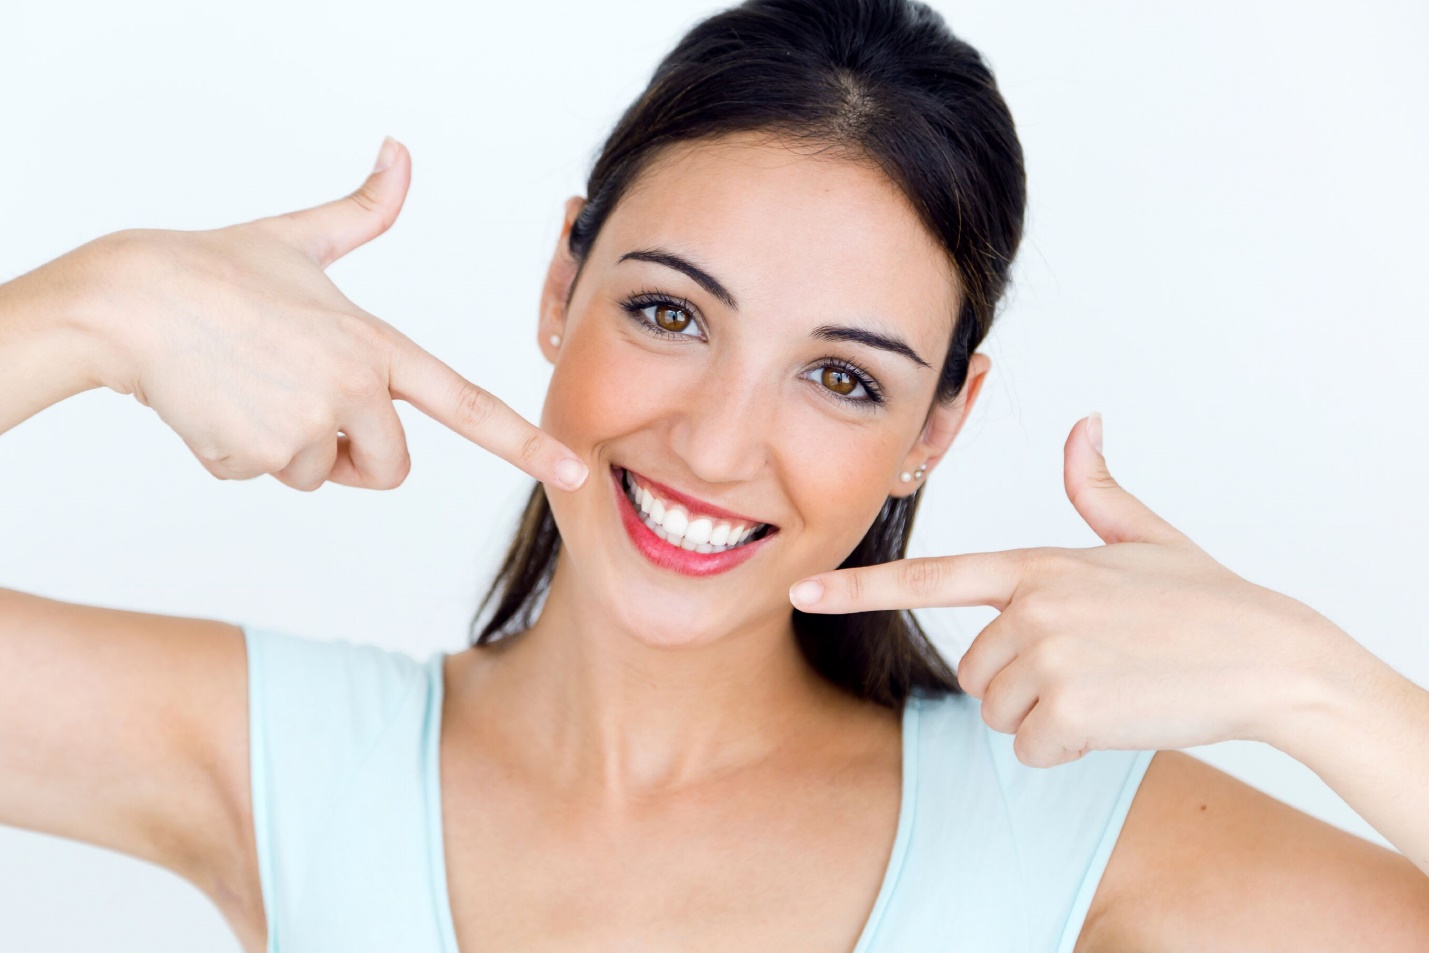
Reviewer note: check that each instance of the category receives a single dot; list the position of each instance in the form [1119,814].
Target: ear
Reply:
[559,277]
[942,426]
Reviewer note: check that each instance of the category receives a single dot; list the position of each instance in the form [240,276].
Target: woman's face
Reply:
[786,383]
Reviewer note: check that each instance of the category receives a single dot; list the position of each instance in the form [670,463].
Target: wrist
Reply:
[70,309]
[96,314]
[1335,698]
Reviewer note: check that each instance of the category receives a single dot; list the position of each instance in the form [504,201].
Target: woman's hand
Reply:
[241,344]
[1145,643]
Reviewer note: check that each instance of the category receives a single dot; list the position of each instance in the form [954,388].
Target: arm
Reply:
[1364,729]
[1147,643]
[47,350]
[129,730]
[126,730]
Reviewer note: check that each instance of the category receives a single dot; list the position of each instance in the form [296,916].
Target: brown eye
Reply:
[665,318]
[840,382]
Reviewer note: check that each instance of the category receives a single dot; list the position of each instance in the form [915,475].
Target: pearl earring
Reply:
[555,340]
[917,474]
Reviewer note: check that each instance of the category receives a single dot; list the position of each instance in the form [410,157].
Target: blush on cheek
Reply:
[595,391]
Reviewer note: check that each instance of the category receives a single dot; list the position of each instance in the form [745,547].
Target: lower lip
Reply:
[675,558]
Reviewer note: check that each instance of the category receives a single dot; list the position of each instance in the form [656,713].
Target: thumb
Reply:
[1112,513]
[329,231]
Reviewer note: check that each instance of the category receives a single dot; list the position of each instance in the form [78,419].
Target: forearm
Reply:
[48,350]
[1364,729]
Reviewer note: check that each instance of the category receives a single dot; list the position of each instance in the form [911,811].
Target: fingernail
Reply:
[807,592]
[1094,431]
[386,156]
[571,473]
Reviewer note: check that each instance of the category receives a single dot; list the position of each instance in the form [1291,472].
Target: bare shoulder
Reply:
[129,730]
[1207,862]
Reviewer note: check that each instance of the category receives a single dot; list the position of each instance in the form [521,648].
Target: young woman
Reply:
[763,320]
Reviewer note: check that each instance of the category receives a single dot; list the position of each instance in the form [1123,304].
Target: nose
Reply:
[723,433]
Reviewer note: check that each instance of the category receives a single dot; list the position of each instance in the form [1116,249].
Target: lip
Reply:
[694,505]
[676,558]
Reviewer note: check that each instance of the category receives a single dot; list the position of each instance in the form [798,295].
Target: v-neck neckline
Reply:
[436,839]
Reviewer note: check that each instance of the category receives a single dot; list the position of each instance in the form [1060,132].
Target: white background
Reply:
[1225,255]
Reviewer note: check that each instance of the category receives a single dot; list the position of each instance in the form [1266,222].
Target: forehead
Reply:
[783,227]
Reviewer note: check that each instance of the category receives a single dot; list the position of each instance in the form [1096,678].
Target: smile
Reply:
[677,532]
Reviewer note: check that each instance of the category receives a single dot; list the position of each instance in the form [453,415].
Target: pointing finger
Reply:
[970,579]
[450,399]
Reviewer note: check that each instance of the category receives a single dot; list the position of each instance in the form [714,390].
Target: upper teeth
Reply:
[672,523]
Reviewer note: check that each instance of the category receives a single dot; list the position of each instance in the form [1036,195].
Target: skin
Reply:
[759,807]
[653,760]
[642,693]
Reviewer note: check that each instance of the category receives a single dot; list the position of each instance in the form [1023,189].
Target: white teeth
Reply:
[699,530]
[700,534]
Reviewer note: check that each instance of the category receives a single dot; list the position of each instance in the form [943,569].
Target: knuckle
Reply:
[1035,611]
[379,337]
[531,448]
[1062,709]
[361,384]
[853,587]
[271,458]
[1048,658]
[1102,481]
[474,406]
[365,198]
[1057,562]
[394,476]
[992,714]
[211,454]
[998,720]
[1022,748]
[306,484]
[923,577]
[308,423]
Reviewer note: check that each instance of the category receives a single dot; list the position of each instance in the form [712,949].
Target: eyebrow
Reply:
[701,277]
[824,332]
[884,342]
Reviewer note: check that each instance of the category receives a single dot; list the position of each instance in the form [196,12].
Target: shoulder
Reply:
[1200,847]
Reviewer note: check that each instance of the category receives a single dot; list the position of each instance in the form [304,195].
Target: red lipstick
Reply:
[676,558]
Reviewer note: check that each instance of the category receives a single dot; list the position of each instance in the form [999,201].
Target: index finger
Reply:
[441,393]
[969,579]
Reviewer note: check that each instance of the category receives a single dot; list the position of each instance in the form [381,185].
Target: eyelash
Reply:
[635,305]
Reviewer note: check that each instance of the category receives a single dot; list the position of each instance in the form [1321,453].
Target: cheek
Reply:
[601,388]
[839,478]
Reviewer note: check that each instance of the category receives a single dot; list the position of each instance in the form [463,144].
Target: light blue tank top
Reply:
[989,855]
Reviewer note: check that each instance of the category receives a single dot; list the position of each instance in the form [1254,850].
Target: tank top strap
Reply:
[338,752]
[1001,855]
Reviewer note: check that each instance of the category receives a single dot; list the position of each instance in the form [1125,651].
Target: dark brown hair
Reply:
[879,81]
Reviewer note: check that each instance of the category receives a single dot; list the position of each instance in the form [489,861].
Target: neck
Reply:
[597,707]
